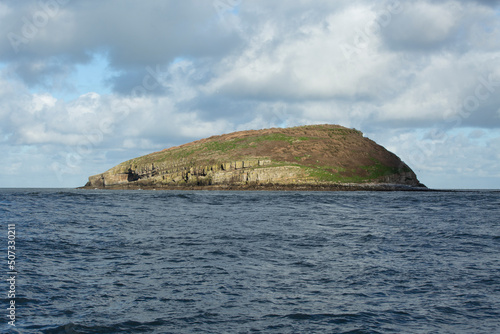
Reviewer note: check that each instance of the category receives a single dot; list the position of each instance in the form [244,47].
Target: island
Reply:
[312,157]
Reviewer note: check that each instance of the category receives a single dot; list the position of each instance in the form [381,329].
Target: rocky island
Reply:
[312,157]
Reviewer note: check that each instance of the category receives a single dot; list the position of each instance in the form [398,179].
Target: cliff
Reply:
[322,157]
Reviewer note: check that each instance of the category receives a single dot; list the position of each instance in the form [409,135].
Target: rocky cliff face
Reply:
[300,157]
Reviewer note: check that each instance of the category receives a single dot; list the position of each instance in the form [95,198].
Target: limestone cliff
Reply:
[306,157]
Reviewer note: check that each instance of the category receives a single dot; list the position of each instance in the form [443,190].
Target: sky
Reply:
[85,85]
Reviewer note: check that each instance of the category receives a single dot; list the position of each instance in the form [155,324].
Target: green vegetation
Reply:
[278,137]
[223,146]
[378,169]
[328,174]
[236,144]
[338,174]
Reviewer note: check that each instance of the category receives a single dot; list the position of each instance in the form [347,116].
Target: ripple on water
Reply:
[271,262]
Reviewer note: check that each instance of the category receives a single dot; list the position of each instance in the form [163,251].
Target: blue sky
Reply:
[86,85]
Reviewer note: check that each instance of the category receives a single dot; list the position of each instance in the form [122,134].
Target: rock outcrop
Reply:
[325,157]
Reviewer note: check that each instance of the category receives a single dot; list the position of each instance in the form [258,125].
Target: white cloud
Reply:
[183,71]
[307,63]
[41,102]
[425,24]
[438,159]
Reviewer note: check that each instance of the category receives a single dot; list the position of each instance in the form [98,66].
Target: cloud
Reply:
[438,157]
[424,26]
[133,35]
[442,26]
[163,73]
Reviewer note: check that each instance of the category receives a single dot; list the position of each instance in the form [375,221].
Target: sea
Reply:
[103,261]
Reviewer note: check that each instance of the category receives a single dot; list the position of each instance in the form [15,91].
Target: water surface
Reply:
[248,262]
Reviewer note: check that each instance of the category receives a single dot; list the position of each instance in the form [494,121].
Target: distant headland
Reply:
[311,157]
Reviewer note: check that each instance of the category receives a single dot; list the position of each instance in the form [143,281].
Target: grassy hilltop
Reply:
[312,156]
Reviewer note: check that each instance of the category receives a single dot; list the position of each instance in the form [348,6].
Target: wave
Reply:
[123,327]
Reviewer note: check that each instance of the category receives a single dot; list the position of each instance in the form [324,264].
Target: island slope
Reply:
[312,157]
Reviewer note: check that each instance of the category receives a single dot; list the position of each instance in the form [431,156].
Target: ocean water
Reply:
[251,262]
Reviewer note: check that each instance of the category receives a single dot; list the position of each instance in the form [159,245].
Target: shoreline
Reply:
[271,187]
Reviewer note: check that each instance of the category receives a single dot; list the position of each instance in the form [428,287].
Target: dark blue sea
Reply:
[93,261]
